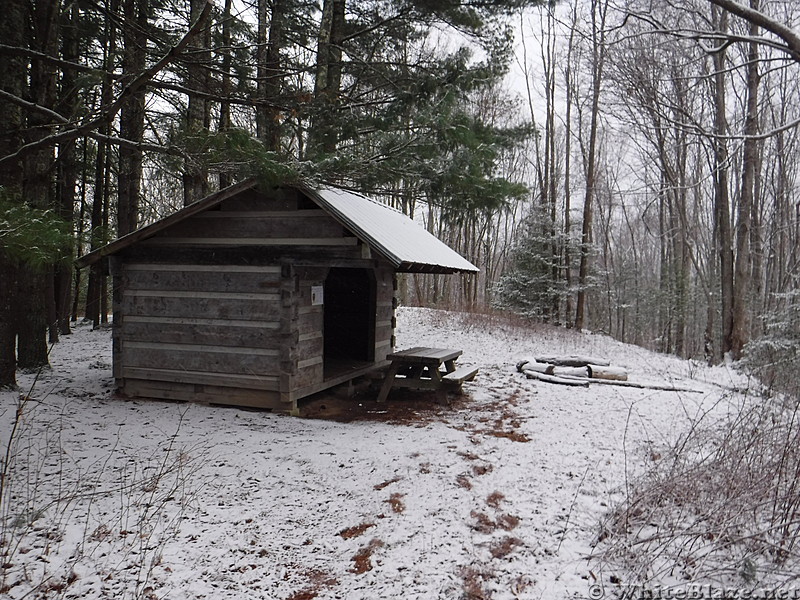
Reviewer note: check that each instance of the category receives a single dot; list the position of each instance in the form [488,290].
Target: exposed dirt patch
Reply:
[362,560]
[388,482]
[355,531]
[396,502]
[514,436]
[482,469]
[318,581]
[462,480]
[500,420]
[403,407]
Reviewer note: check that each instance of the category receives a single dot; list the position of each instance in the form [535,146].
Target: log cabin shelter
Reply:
[260,297]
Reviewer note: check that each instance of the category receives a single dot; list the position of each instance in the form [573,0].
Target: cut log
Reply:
[605,372]
[577,382]
[572,361]
[537,366]
[647,386]
[524,361]
[635,384]
[571,371]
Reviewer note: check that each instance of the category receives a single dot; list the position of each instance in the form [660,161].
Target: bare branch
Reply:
[109,112]
[756,17]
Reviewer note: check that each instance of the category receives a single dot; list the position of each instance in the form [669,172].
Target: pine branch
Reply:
[108,113]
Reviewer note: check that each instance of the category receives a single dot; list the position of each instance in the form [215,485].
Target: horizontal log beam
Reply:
[175,241]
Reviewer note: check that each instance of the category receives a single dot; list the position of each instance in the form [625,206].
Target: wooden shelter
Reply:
[257,297]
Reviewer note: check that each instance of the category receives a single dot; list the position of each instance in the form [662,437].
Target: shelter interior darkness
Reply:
[350,308]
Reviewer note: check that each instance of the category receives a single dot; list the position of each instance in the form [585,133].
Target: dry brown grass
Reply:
[503,547]
[507,522]
[473,578]
[483,523]
[486,525]
[462,480]
[495,499]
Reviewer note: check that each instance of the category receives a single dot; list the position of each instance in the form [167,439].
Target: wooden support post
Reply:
[388,381]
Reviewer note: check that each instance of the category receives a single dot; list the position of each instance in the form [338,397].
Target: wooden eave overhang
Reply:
[395,237]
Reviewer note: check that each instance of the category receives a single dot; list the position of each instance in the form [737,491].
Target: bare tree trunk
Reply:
[740,327]
[328,80]
[131,118]
[67,172]
[98,236]
[198,113]
[80,231]
[37,184]
[568,78]
[98,232]
[722,214]
[225,178]
[598,59]
[270,72]
[12,80]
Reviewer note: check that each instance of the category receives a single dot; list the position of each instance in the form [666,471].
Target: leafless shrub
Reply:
[721,504]
[486,319]
[114,514]
[503,547]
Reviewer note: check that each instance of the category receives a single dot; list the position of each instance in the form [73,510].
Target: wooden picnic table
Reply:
[421,368]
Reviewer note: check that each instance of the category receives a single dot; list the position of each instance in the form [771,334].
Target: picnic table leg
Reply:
[450,365]
[388,381]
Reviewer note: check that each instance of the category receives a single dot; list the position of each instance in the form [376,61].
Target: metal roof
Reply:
[404,243]
[390,233]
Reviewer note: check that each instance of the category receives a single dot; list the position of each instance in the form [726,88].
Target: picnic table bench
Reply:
[421,368]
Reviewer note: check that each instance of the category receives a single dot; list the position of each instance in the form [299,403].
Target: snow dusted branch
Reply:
[715,41]
[787,34]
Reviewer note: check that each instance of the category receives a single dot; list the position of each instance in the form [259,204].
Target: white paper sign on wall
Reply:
[317,295]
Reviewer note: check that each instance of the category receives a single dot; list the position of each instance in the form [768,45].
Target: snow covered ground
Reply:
[497,496]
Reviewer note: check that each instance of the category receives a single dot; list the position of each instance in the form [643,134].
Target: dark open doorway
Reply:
[349,301]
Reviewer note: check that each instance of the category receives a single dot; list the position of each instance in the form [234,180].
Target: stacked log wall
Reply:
[217,308]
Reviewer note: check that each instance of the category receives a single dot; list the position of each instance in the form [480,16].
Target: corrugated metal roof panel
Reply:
[391,233]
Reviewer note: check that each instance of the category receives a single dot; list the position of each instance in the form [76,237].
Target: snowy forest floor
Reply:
[499,495]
